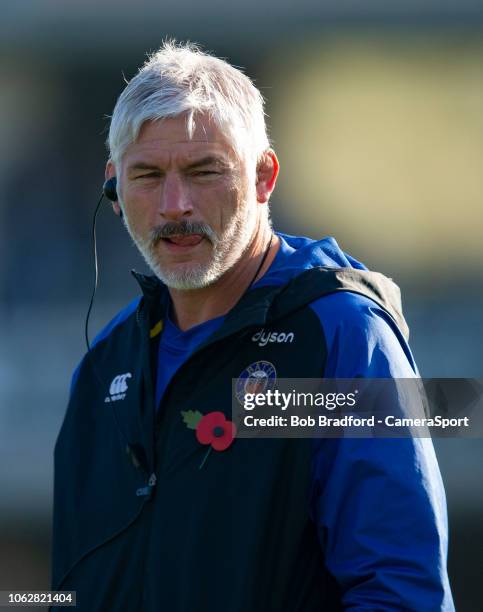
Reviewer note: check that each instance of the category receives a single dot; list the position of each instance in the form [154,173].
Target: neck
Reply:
[196,306]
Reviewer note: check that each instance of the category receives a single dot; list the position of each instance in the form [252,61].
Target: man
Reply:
[144,517]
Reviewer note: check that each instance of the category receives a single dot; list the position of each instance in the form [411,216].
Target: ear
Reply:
[267,172]
[109,173]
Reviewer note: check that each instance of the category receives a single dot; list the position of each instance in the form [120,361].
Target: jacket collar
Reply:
[265,304]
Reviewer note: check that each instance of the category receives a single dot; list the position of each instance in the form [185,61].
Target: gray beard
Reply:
[228,248]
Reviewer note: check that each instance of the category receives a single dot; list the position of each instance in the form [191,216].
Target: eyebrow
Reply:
[142,166]
[209,160]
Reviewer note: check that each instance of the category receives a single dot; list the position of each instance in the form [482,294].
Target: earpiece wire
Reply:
[96,271]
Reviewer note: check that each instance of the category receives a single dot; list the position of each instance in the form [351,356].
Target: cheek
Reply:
[214,203]
[136,222]
[138,211]
[230,207]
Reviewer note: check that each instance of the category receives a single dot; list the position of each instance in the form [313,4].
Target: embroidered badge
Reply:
[258,377]
[118,388]
[212,428]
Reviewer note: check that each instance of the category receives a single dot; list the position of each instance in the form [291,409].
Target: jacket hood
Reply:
[302,261]
[299,253]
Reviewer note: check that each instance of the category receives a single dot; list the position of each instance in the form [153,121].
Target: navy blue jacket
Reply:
[266,525]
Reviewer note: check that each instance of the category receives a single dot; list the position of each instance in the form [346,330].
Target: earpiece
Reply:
[109,189]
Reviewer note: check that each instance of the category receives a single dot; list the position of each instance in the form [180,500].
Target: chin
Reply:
[191,277]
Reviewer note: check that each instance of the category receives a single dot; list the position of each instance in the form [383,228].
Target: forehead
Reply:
[170,137]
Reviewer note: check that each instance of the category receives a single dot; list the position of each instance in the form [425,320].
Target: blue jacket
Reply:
[282,525]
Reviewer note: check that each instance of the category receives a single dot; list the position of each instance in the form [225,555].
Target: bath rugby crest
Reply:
[258,377]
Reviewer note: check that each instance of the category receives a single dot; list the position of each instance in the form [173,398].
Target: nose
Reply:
[175,200]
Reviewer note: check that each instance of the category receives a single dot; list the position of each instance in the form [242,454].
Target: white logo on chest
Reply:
[118,388]
[264,337]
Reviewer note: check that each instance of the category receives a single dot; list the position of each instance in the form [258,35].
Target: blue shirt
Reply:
[175,346]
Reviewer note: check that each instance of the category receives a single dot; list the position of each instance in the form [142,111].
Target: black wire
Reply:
[101,381]
[96,271]
[265,255]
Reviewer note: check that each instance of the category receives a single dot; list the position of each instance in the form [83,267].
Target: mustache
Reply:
[183,228]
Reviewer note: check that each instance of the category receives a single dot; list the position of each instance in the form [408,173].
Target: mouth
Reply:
[182,242]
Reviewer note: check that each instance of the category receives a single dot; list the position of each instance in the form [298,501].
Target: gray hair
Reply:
[180,78]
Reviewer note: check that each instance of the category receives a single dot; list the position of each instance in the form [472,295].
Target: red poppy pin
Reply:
[212,428]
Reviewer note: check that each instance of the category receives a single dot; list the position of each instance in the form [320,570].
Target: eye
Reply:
[206,173]
[146,176]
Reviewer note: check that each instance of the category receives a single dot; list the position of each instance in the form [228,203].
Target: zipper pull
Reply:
[148,490]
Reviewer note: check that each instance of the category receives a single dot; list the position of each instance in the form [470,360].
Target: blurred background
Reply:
[375,109]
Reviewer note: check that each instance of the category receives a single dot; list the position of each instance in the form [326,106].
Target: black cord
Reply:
[93,295]
[96,271]
[86,327]
[265,255]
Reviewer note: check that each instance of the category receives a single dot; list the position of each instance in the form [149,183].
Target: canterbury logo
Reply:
[263,337]
[118,388]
